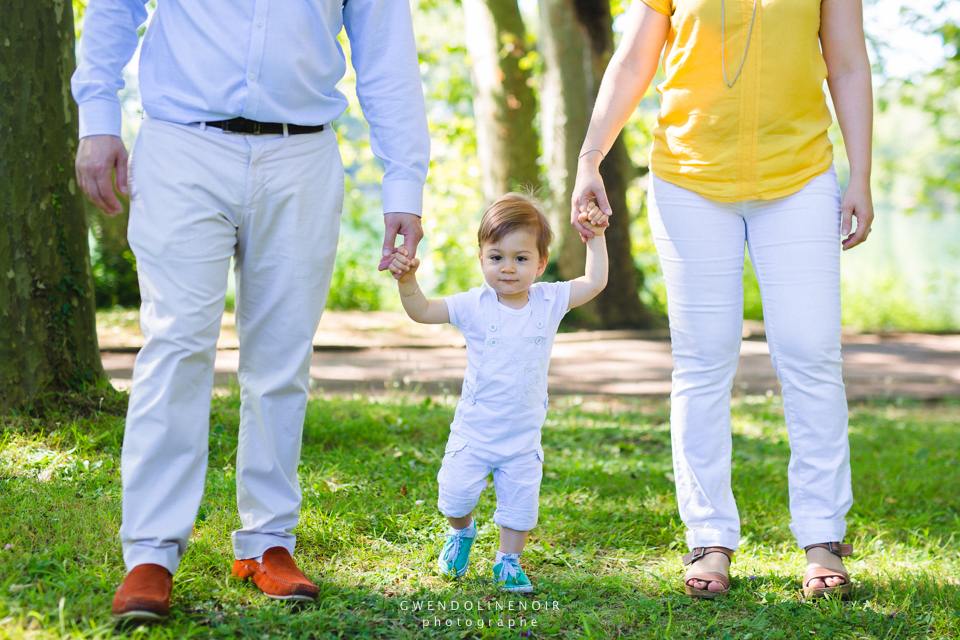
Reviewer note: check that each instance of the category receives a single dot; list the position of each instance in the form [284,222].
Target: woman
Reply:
[741,155]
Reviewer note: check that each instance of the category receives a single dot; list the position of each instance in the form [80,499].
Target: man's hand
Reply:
[97,158]
[406,225]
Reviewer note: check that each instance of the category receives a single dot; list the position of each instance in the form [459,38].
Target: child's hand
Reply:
[594,219]
[402,267]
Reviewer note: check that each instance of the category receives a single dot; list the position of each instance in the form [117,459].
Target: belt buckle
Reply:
[256,127]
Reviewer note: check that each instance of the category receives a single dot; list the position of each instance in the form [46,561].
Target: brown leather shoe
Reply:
[144,594]
[277,576]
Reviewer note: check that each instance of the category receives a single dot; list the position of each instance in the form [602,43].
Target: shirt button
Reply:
[252,76]
[260,23]
[493,327]
[539,340]
[539,325]
[493,343]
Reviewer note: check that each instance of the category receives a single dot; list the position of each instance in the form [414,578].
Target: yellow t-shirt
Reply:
[764,138]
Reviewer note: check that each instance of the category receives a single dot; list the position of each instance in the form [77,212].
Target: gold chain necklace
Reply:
[723,61]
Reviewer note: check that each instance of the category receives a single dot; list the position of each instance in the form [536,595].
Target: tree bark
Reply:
[577,43]
[504,106]
[48,339]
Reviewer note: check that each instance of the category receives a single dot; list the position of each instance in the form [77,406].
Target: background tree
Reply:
[577,43]
[504,105]
[48,334]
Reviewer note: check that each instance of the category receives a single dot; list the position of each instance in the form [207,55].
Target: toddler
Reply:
[509,324]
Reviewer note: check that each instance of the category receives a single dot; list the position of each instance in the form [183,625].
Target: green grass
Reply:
[605,558]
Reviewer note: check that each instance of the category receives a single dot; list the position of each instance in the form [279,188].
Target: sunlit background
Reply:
[907,277]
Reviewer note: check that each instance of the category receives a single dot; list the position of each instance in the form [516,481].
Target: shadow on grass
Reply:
[606,550]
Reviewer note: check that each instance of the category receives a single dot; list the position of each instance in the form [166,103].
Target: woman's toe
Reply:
[816,583]
[715,586]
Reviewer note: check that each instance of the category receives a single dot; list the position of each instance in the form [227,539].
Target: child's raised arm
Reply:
[414,302]
[586,287]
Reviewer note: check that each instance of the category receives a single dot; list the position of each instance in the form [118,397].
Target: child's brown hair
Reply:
[511,212]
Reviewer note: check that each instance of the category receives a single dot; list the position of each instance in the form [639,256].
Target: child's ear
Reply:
[543,264]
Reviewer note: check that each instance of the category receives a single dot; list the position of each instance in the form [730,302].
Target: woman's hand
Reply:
[594,220]
[589,186]
[858,204]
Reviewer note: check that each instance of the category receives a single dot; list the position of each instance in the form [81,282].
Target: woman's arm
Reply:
[626,79]
[848,75]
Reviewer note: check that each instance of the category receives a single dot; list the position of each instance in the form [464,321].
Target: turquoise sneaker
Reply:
[455,555]
[509,575]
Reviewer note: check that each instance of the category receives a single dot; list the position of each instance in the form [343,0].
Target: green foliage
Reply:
[114,269]
[752,305]
[938,94]
[885,303]
[606,550]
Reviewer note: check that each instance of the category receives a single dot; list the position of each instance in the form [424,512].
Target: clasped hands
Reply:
[403,264]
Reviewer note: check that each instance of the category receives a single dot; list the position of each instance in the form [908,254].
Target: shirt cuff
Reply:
[99,117]
[403,196]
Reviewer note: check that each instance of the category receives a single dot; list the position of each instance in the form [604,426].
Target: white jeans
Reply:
[198,198]
[516,479]
[794,246]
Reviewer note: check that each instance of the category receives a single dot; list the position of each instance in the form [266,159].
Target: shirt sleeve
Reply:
[660,6]
[461,307]
[556,296]
[108,41]
[391,96]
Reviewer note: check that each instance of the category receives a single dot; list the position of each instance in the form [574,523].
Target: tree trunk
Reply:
[504,106]
[577,43]
[48,338]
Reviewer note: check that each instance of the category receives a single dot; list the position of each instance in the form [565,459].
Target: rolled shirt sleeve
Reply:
[391,96]
[109,41]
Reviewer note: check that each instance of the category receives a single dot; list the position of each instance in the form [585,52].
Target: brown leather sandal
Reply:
[813,573]
[708,576]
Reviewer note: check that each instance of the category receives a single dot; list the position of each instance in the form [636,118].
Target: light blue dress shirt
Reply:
[265,60]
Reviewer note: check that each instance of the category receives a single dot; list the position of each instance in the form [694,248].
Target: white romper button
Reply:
[493,327]
[539,340]
[539,325]
[493,343]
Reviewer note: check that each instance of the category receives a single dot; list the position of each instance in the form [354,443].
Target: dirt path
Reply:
[377,352]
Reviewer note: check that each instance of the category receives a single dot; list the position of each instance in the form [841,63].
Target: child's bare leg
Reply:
[461,523]
[511,540]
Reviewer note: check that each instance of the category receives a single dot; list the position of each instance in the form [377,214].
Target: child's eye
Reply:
[521,259]
[495,258]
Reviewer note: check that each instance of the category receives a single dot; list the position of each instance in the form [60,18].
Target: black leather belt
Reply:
[242,125]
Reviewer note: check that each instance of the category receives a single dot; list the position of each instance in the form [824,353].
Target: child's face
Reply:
[511,265]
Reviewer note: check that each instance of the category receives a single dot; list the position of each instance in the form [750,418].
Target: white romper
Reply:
[501,410]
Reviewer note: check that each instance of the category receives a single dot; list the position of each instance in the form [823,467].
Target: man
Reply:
[236,158]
